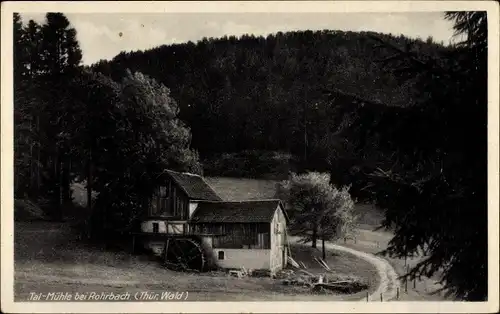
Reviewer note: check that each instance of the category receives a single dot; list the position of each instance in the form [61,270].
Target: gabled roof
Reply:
[242,189]
[194,186]
[252,211]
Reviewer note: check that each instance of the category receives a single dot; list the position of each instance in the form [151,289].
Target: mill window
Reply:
[221,255]
[156,227]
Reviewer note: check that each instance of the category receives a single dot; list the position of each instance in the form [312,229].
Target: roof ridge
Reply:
[181,177]
[245,201]
[242,178]
[253,211]
[210,187]
[186,173]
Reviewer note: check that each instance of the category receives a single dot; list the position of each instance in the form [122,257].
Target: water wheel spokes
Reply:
[184,254]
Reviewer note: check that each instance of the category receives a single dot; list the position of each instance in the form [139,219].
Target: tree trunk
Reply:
[89,217]
[314,236]
[324,250]
[38,157]
[32,164]
[57,191]
[66,189]
[89,182]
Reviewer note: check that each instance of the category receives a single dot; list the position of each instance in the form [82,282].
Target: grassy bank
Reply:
[50,258]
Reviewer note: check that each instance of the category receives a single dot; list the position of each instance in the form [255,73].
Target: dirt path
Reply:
[389,281]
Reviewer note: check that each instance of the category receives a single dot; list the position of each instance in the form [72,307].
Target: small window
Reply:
[163,191]
[221,255]
[156,227]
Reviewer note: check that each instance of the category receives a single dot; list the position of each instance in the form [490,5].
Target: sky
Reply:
[104,35]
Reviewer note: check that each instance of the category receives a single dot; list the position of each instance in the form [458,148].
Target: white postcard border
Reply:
[7,264]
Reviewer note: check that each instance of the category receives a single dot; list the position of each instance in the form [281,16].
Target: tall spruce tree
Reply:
[19,48]
[27,107]
[60,47]
[432,175]
[34,46]
[62,56]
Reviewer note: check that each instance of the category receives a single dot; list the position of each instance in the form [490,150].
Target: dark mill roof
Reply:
[243,189]
[254,211]
[195,187]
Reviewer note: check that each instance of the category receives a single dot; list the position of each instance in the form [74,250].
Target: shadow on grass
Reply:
[56,242]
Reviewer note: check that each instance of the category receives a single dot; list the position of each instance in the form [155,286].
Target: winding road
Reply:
[389,281]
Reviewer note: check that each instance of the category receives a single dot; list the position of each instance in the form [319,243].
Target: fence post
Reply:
[397,293]
[367,297]
[381,298]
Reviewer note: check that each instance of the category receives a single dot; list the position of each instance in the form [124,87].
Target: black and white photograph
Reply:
[182,155]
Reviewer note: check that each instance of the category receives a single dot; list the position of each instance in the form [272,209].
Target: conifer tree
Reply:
[432,177]
[62,56]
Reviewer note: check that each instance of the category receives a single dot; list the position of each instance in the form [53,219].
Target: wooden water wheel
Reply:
[184,254]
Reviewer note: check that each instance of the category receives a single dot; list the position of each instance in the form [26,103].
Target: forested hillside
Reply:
[256,93]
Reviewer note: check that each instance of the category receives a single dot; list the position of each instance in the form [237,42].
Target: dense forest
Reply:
[402,121]
[72,124]
[268,93]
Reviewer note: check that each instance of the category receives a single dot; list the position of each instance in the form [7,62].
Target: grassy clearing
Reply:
[343,266]
[49,258]
[369,216]
[370,241]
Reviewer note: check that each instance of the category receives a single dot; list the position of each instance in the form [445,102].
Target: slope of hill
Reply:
[256,93]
